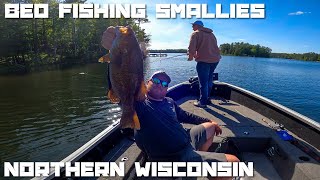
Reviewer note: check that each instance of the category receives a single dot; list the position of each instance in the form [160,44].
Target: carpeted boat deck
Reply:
[254,135]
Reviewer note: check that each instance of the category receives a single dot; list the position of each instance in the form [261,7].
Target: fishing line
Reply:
[87,74]
[168,58]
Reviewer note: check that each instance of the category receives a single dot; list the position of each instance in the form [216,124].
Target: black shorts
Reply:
[198,137]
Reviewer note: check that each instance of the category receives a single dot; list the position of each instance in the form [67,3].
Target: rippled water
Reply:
[292,83]
[46,116]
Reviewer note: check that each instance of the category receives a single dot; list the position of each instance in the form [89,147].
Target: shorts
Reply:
[198,137]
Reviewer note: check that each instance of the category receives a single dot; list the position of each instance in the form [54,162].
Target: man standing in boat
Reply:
[204,48]
[163,138]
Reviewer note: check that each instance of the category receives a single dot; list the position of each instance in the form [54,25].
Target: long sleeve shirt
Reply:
[204,43]
[161,135]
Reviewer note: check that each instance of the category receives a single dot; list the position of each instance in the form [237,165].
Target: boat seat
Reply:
[126,151]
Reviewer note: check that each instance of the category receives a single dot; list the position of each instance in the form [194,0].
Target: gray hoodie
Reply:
[204,44]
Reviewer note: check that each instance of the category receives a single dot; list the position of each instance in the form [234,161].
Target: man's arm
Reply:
[192,46]
[186,117]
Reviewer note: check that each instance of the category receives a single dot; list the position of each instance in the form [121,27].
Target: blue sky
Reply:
[291,26]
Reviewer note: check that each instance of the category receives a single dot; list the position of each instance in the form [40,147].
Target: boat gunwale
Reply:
[84,149]
[276,105]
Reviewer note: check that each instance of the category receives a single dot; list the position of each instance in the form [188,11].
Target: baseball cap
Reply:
[200,23]
[161,73]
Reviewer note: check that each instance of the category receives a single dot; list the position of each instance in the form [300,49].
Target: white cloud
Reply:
[155,44]
[165,33]
[298,13]
[168,33]
[164,27]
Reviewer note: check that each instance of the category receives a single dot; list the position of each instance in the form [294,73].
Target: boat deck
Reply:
[238,121]
[254,134]
[235,119]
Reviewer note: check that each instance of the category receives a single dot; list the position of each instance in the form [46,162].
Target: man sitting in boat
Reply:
[161,135]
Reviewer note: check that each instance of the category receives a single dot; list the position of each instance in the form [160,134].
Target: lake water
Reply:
[45,116]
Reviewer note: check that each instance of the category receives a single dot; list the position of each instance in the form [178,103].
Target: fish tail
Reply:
[130,120]
[126,120]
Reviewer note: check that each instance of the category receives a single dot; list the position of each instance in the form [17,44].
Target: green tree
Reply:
[36,43]
[245,49]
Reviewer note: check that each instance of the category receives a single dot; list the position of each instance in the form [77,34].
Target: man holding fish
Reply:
[162,136]
[155,117]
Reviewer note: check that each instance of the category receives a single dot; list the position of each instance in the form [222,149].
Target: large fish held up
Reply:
[125,72]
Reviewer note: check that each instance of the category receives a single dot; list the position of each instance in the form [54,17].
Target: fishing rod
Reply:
[173,56]
[168,57]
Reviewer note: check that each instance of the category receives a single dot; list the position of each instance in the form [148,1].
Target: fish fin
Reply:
[143,47]
[113,97]
[136,121]
[105,58]
[141,95]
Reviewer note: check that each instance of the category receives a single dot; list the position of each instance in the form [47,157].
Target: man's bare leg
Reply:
[230,158]
[210,131]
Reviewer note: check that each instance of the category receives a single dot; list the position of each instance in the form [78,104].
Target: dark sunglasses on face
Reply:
[158,81]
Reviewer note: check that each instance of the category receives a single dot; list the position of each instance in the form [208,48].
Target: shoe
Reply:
[198,104]
[209,102]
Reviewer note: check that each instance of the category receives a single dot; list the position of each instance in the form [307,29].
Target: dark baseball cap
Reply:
[161,73]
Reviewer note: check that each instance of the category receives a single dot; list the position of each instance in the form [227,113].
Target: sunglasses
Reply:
[158,81]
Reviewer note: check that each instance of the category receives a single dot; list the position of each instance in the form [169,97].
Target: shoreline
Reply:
[20,70]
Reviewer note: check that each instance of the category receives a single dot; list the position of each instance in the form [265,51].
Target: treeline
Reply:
[245,49]
[311,56]
[29,44]
[168,51]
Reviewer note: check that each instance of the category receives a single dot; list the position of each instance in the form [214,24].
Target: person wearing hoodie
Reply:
[204,48]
